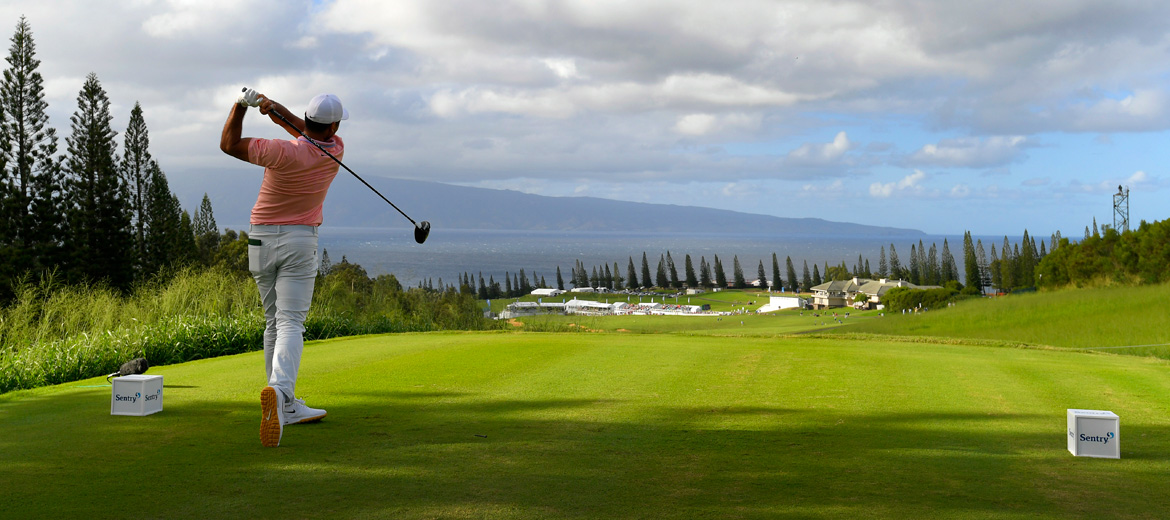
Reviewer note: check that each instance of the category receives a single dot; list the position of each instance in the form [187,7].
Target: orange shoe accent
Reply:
[271,429]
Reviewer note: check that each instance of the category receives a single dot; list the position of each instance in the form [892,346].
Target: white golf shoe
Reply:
[296,411]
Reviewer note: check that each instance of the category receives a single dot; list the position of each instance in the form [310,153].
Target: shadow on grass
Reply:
[403,454]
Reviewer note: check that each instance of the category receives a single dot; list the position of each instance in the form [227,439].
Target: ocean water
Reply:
[448,253]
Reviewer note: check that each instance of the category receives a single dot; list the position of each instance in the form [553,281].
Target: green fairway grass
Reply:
[1121,320]
[496,425]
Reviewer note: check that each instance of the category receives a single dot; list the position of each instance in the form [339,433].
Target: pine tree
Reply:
[883,266]
[737,274]
[508,286]
[674,281]
[816,278]
[136,172]
[660,274]
[33,207]
[806,281]
[99,214]
[206,232]
[720,275]
[932,266]
[645,271]
[692,280]
[164,239]
[984,266]
[972,277]
[763,279]
[777,281]
[560,280]
[949,271]
[915,267]
[791,274]
[704,272]
[895,265]
[631,276]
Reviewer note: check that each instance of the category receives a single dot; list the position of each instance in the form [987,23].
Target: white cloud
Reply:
[909,184]
[971,152]
[704,124]
[821,153]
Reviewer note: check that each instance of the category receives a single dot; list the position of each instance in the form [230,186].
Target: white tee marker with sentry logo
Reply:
[136,394]
[1094,433]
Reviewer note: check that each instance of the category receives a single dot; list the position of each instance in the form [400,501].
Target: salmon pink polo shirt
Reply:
[296,178]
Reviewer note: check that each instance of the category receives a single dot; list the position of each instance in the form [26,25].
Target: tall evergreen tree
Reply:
[972,277]
[777,281]
[99,215]
[136,173]
[806,281]
[791,274]
[673,271]
[984,267]
[883,266]
[631,276]
[895,265]
[704,272]
[949,270]
[33,207]
[660,274]
[816,278]
[720,275]
[915,267]
[645,271]
[762,277]
[692,280]
[932,266]
[737,274]
[618,281]
[164,238]
[560,280]
[206,231]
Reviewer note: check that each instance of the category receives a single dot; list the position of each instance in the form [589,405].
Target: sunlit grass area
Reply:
[1105,318]
[605,425]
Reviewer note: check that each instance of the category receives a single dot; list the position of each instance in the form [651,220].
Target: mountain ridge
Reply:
[350,204]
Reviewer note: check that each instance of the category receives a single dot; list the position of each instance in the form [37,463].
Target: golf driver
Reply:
[421,229]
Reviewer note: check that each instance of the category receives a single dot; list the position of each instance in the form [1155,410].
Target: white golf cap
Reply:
[326,109]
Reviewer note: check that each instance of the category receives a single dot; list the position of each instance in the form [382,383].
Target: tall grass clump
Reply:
[52,333]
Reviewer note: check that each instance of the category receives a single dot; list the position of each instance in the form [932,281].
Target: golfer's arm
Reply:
[300,123]
[230,141]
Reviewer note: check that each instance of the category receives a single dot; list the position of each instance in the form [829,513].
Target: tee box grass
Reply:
[498,425]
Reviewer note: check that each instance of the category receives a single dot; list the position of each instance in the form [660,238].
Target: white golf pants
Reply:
[283,260]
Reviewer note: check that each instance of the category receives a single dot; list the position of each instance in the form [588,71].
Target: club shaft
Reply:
[338,161]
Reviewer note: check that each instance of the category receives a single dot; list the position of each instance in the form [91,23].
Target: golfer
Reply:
[282,241]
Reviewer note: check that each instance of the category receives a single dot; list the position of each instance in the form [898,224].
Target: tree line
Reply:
[997,267]
[90,214]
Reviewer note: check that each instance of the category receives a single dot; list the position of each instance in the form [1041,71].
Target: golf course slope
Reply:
[604,425]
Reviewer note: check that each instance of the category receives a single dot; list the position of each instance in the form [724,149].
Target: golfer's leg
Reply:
[294,293]
[260,263]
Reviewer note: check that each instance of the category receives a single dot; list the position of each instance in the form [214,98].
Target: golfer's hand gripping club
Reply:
[421,229]
[249,98]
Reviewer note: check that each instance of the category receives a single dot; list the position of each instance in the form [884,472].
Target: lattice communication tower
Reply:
[1121,209]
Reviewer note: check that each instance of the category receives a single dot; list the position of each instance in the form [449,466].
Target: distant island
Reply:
[458,207]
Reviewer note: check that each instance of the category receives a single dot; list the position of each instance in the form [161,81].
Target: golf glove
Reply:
[249,98]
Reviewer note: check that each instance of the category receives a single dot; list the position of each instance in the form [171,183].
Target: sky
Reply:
[991,116]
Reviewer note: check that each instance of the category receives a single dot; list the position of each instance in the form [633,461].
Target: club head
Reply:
[421,230]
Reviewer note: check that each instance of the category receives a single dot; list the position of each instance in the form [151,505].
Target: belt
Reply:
[265,228]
